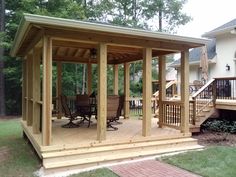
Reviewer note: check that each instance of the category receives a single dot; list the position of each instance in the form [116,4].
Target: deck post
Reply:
[162,87]
[59,89]
[47,92]
[184,89]
[147,91]
[24,85]
[102,92]
[89,78]
[126,89]
[30,90]
[115,79]
[36,89]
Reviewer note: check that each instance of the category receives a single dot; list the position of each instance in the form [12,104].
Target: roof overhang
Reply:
[213,34]
[35,26]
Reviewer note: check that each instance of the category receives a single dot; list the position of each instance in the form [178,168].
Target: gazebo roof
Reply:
[73,40]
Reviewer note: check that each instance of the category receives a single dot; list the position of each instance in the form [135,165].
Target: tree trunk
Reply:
[2,83]
[160,19]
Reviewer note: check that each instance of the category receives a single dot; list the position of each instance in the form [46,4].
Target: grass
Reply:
[102,172]
[216,161]
[20,159]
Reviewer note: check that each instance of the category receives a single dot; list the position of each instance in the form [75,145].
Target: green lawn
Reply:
[20,159]
[217,161]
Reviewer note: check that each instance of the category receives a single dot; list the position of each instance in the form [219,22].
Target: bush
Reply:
[220,126]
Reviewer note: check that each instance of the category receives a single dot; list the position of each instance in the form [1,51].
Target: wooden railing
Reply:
[136,106]
[172,114]
[226,88]
[171,89]
[201,100]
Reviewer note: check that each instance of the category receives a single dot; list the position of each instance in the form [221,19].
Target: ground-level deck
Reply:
[78,147]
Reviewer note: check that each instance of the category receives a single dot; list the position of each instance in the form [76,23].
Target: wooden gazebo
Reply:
[40,40]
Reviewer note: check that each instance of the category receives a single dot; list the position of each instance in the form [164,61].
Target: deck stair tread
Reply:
[88,150]
[112,157]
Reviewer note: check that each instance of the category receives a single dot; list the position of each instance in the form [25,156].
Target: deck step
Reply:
[97,155]
[114,157]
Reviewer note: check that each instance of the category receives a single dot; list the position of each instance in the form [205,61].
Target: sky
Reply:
[207,15]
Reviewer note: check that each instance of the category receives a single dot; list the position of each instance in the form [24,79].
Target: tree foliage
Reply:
[131,13]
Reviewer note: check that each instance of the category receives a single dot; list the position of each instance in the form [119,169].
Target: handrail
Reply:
[225,78]
[168,85]
[203,88]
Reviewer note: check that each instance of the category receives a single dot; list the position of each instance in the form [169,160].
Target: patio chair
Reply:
[113,111]
[197,85]
[68,113]
[84,108]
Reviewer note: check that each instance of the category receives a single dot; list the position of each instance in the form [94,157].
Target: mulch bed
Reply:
[215,139]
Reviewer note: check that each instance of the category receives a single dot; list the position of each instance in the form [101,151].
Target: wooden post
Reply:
[47,91]
[126,89]
[59,89]
[147,92]
[24,81]
[30,90]
[36,89]
[162,87]
[102,92]
[89,78]
[185,91]
[115,79]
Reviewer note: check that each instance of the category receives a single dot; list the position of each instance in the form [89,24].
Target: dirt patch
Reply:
[4,153]
[216,139]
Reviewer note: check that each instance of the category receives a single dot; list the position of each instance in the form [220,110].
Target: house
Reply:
[221,53]
[42,41]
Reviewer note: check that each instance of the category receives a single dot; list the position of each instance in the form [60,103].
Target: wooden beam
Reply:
[147,91]
[83,36]
[36,39]
[162,87]
[184,89]
[36,89]
[30,90]
[126,89]
[59,89]
[102,92]
[24,89]
[47,91]
[115,79]
[89,78]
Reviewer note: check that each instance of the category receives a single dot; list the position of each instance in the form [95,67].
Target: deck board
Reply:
[130,130]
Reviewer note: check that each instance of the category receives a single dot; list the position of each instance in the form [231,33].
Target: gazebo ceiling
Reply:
[73,40]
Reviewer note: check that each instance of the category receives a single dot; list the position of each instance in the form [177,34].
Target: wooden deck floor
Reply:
[129,131]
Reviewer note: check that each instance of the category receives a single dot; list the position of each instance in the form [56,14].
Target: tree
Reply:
[168,12]
[2,83]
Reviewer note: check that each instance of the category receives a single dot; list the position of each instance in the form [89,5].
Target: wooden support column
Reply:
[162,87]
[59,89]
[30,90]
[115,79]
[147,91]
[47,91]
[185,91]
[126,89]
[36,89]
[24,90]
[89,78]
[102,92]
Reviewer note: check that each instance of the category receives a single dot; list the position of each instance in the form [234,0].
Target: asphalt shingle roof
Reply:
[195,54]
[232,23]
